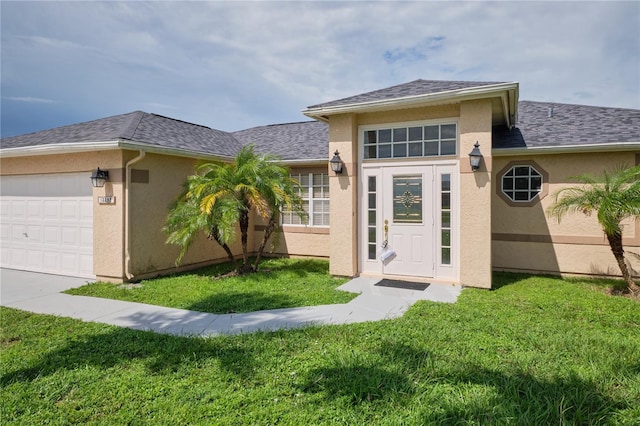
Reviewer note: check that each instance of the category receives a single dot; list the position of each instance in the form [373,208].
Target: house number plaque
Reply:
[107,200]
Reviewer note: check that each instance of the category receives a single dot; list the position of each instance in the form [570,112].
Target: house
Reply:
[406,179]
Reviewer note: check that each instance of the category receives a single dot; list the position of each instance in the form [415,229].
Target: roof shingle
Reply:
[307,140]
[413,88]
[547,124]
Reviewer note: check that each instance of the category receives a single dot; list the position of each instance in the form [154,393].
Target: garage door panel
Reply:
[18,257]
[34,259]
[47,223]
[34,209]
[50,209]
[50,261]
[18,209]
[69,210]
[51,234]
[86,211]
[86,238]
[69,236]
[33,234]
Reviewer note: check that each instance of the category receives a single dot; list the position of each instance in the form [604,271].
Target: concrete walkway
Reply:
[41,293]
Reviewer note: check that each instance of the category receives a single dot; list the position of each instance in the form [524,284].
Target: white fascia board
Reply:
[72,148]
[58,148]
[450,96]
[309,162]
[569,149]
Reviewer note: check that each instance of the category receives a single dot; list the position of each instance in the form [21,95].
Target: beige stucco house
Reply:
[406,179]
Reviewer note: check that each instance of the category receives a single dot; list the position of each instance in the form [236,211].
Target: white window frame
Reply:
[398,125]
[311,200]
[529,191]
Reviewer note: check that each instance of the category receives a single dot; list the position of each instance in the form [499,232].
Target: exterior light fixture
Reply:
[99,177]
[475,157]
[336,163]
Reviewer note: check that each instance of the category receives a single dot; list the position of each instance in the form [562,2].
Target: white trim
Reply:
[70,148]
[439,121]
[450,96]
[569,149]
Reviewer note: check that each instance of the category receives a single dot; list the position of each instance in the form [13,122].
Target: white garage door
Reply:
[47,223]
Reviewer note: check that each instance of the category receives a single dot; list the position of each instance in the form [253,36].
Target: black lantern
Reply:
[336,163]
[475,156]
[99,177]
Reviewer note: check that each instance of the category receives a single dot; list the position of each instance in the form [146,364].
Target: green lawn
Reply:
[283,283]
[536,351]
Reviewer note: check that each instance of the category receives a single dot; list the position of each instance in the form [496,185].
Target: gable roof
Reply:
[411,89]
[504,97]
[546,126]
[135,130]
[307,140]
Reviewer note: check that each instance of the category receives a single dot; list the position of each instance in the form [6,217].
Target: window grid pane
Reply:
[445,219]
[313,189]
[521,183]
[371,210]
[402,142]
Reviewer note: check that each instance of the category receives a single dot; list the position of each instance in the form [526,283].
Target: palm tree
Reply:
[221,196]
[614,197]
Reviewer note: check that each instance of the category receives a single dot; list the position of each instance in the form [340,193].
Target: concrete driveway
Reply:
[41,294]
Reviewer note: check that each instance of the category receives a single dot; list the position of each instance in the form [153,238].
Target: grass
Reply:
[284,283]
[536,351]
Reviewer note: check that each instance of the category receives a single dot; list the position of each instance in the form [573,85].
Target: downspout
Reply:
[127,213]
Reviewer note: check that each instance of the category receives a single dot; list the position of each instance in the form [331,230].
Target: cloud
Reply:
[419,52]
[29,99]
[233,65]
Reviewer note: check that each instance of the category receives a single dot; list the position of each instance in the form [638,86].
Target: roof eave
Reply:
[508,91]
[73,148]
[568,149]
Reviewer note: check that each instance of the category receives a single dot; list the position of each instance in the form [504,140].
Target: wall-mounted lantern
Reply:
[475,157]
[99,177]
[336,163]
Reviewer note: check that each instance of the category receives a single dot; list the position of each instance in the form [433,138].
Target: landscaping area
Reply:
[280,283]
[536,350]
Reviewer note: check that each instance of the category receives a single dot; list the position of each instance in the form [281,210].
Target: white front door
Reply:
[407,220]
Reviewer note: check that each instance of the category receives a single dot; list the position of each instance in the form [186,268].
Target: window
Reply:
[371,214]
[445,219]
[521,183]
[414,141]
[314,190]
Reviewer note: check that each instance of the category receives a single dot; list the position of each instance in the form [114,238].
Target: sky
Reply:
[236,65]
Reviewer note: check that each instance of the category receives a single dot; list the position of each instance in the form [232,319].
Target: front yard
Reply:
[280,283]
[538,350]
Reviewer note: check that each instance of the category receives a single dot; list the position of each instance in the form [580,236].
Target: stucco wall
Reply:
[527,238]
[149,203]
[475,195]
[343,243]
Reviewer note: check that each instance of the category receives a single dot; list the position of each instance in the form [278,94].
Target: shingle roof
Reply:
[138,126]
[546,124]
[104,129]
[568,125]
[413,88]
[307,140]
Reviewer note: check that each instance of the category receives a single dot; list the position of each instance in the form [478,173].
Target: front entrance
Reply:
[410,208]
[407,214]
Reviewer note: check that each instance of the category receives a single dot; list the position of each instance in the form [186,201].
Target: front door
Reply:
[407,220]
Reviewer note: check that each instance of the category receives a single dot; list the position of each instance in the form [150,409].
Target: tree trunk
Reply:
[244,233]
[215,235]
[271,226]
[615,242]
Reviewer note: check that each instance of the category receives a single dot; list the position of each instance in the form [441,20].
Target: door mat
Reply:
[403,284]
